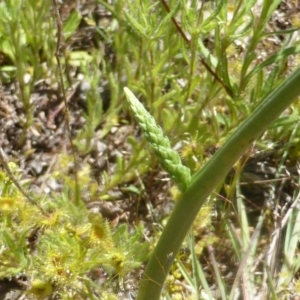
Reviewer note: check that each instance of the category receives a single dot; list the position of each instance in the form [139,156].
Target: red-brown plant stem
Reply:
[188,42]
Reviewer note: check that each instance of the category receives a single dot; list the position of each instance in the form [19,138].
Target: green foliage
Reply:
[210,115]
[200,68]
[58,252]
[27,42]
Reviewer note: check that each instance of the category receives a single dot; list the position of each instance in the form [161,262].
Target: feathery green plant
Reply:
[71,243]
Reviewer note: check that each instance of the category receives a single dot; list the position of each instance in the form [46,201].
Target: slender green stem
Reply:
[206,179]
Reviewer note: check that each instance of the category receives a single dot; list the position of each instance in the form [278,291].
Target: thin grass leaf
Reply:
[243,219]
[166,20]
[135,25]
[220,283]
[286,121]
[290,245]
[235,240]
[246,255]
[278,57]
[71,24]
[164,98]
[185,273]
[211,21]
[270,6]
[203,280]
[196,278]
[271,285]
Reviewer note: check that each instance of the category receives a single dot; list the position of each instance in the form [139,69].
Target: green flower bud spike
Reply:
[169,159]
